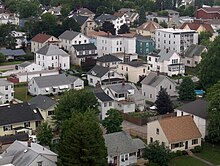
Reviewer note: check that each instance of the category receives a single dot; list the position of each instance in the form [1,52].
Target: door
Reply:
[186,145]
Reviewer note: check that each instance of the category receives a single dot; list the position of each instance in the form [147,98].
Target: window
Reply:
[52,57]
[188,61]
[157,131]
[6,87]
[84,41]
[126,68]
[50,113]
[6,96]
[117,42]
[174,61]
[27,124]
[181,113]
[194,141]
[150,95]
[12,94]
[117,49]
[151,139]
[40,163]
[170,87]
[91,80]
[149,58]
[122,158]
[105,104]
[110,104]
[176,145]
[126,157]
[155,59]
[143,70]
[7,127]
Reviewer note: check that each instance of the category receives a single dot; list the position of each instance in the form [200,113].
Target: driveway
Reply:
[7,67]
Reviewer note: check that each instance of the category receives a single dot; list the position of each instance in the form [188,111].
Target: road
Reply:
[7,67]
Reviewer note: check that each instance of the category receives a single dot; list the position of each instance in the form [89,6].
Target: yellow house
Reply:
[148,28]
[19,118]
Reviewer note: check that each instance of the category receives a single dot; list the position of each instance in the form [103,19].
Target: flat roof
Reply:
[171,30]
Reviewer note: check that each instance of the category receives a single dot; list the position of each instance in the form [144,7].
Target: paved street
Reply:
[7,67]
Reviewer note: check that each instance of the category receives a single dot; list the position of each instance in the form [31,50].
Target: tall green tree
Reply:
[209,71]
[82,143]
[187,90]
[27,8]
[204,38]
[142,16]
[113,121]
[74,101]
[70,23]
[213,96]
[157,153]
[124,29]
[107,26]
[163,103]
[44,134]
[2,58]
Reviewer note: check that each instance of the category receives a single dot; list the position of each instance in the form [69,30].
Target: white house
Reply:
[154,82]
[28,154]
[11,18]
[133,71]
[6,91]
[122,149]
[175,39]
[54,84]
[29,67]
[105,102]
[167,62]
[69,38]
[99,75]
[198,110]
[116,44]
[51,56]
[20,38]
[176,133]
[108,60]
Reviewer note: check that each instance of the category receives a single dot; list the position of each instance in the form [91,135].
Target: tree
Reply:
[27,8]
[204,38]
[213,96]
[163,102]
[113,121]
[2,57]
[44,134]
[123,29]
[107,26]
[157,153]
[163,24]
[142,16]
[81,141]
[70,23]
[209,71]
[74,101]
[187,90]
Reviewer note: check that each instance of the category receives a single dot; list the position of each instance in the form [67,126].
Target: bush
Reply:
[184,152]
[11,60]
[179,153]
[197,149]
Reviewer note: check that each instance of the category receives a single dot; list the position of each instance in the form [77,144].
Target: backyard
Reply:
[186,161]
[21,93]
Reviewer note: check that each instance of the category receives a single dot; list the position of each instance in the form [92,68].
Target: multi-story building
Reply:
[6,91]
[175,39]
[116,44]
[144,45]
[208,13]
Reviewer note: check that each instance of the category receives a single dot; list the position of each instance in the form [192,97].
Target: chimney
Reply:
[29,142]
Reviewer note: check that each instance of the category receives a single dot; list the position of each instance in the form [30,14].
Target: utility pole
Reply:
[26,88]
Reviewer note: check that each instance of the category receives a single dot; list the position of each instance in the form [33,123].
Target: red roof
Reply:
[41,38]
[211,9]
[195,26]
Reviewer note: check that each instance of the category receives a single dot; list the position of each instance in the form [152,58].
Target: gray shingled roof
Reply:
[25,64]
[80,19]
[4,82]
[84,11]
[198,108]
[104,17]
[165,55]
[98,71]
[9,139]
[42,102]
[108,58]
[51,49]
[69,35]
[194,50]
[121,143]
[135,63]
[101,95]
[9,52]
[120,88]
[54,80]
[82,47]
[17,113]
[153,79]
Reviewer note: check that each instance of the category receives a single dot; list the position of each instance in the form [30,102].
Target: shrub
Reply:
[197,149]
[179,153]
[184,152]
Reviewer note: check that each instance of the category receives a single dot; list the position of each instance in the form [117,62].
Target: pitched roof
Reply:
[135,63]
[194,50]
[118,14]
[24,155]
[165,55]
[25,64]
[108,58]
[195,26]
[42,102]
[211,9]
[101,95]
[9,52]
[198,108]
[51,49]
[4,82]
[41,38]
[98,71]
[104,17]
[84,11]
[179,128]
[153,79]
[17,113]
[54,80]
[69,35]
[121,143]
[96,33]
[80,19]
[149,26]
[9,139]
[82,47]
[120,87]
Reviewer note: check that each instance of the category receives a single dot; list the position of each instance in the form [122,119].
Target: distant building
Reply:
[11,18]
[198,27]
[6,91]
[12,54]
[144,45]
[208,13]
[108,60]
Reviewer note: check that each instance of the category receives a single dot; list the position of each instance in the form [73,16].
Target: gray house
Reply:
[54,84]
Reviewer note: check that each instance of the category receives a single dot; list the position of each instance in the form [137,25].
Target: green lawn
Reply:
[186,161]
[11,63]
[20,93]
[191,71]
[210,153]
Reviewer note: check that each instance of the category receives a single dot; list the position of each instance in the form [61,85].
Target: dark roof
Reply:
[98,71]
[17,113]
[194,50]
[143,38]
[9,139]
[103,96]
[84,11]
[41,38]
[42,102]
[104,17]
[82,47]
[25,64]
[9,52]
[198,108]
[69,35]
[135,63]
[80,19]
[108,58]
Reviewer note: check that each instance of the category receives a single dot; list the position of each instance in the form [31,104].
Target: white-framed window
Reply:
[6,87]
[6,96]
[27,124]
[105,104]
[110,104]
[157,131]
[7,127]
[195,141]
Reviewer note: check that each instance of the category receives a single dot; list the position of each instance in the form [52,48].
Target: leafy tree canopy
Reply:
[108,27]
[124,29]
[44,134]
[187,90]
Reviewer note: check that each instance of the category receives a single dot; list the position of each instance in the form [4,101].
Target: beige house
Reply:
[176,133]
[193,55]
[133,71]
[198,27]
[41,40]
[19,118]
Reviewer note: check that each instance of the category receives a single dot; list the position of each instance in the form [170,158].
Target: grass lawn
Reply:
[210,153]
[191,71]
[186,161]
[20,93]
[11,63]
